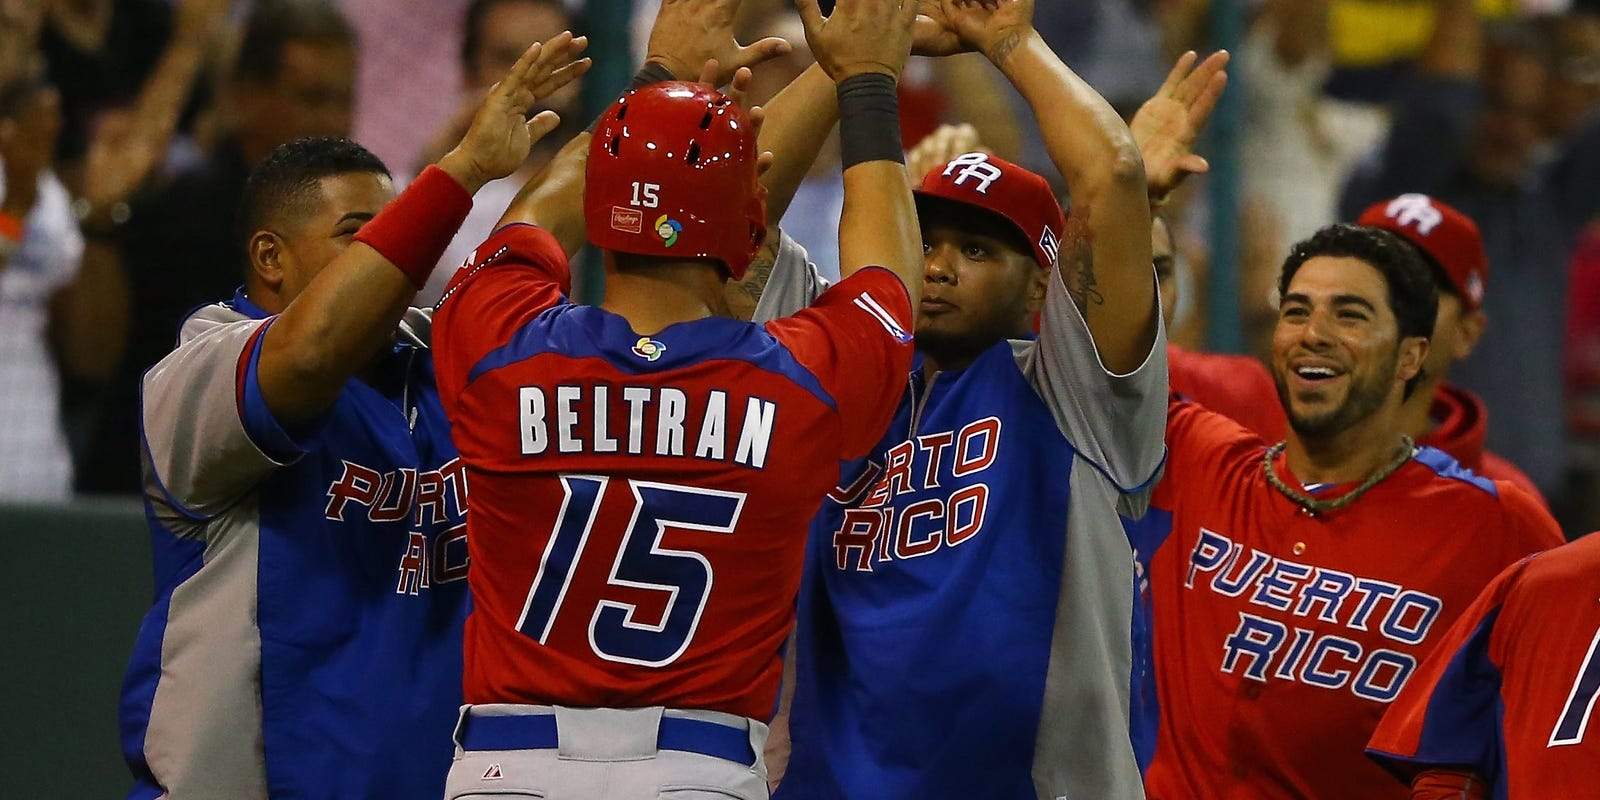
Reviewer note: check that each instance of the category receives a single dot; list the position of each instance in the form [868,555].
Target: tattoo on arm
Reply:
[1003,48]
[1077,262]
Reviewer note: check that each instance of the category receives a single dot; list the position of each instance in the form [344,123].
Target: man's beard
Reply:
[1362,400]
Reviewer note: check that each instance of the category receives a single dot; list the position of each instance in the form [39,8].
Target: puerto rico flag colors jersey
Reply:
[1281,637]
[1509,693]
[964,622]
[306,636]
[640,502]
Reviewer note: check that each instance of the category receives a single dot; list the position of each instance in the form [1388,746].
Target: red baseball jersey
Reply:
[1510,691]
[1281,637]
[1237,387]
[640,503]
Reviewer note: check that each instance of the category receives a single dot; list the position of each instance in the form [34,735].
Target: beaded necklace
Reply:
[1317,507]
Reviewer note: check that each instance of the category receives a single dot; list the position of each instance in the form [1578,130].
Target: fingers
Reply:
[758,118]
[708,73]
[762,51]
[1176,75]
[1196,81]
[561,77]
[1200,110]
[742,77]
[1194,164]
[541,125]
[810,16]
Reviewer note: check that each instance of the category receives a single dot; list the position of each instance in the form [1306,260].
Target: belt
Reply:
[538,732]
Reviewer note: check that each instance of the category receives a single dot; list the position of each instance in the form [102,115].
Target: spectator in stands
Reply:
[294,78]
[39,252]
[1465,131]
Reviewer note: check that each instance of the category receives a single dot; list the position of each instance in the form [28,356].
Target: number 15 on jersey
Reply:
[640,562]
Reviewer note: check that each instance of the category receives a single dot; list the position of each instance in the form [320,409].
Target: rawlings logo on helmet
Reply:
[626,220]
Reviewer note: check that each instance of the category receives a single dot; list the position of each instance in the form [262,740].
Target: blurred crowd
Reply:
[127,130]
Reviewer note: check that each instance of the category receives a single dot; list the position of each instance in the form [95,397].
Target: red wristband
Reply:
[414,230]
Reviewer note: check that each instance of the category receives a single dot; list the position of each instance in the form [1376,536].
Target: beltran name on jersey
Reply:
[1281,636]
[306,638]
[964,624]
[640,502]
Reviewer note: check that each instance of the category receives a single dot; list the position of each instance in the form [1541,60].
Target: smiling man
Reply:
[1300,584]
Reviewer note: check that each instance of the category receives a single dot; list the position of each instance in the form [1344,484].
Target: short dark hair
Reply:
[287,179]
[275,23]
[478,9]
[1413,297]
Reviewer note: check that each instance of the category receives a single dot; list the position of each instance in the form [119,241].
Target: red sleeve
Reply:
[1499,469]
[517,273]
[855,340]
[1199,443]
[1528,525]
[1447,714]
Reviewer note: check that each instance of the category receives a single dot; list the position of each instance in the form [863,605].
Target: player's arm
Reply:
[1445,722]
[350,309]
[1105,258]
[863,46]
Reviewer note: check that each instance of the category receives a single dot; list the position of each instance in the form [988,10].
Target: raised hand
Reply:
[500,136]
[932,34]
[861,36]
[689,33]
[992,27]
[1168,124]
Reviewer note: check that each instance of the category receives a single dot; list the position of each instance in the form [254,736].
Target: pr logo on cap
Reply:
[1417,210]
[974,166]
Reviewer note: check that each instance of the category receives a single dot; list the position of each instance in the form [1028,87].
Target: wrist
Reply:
[461,169]
[1007,41]
[869,119]
[413,231]
[676,70]
[846,72]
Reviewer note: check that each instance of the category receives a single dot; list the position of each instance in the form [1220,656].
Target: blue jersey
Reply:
[306,636]
[964,622]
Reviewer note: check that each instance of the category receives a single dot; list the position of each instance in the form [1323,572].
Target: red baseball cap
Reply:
[1000,187]
[1449,237]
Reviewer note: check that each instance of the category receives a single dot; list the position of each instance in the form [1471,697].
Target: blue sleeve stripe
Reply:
[259,424]
[1447,467]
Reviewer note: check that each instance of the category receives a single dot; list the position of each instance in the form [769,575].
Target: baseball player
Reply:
[1503,707]
[643,470]
[964,622]
[1299,585]
[304,498]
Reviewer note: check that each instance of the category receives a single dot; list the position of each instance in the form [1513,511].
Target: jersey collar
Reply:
[244,305]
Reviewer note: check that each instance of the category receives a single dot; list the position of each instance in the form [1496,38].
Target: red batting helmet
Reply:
[672,173]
